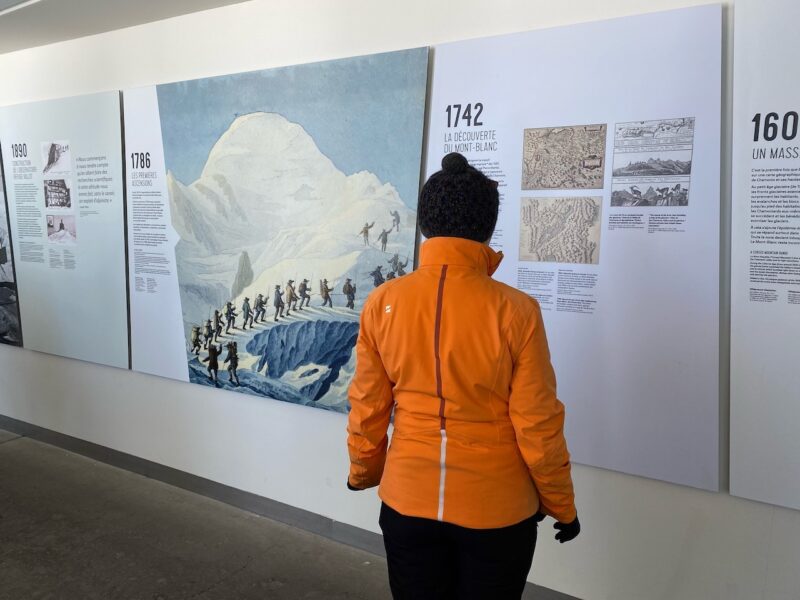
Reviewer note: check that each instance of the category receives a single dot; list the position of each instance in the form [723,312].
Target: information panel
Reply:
[10,331]
[63,170]
[765,277]
[263,207]
[604,138]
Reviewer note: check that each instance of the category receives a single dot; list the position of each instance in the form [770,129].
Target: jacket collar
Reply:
[459,252]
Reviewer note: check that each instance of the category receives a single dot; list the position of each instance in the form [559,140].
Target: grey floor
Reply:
[71,527]
[74,528]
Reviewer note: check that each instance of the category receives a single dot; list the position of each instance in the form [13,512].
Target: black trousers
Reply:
[433,560]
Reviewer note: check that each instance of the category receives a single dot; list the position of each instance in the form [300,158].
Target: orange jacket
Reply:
[463,360]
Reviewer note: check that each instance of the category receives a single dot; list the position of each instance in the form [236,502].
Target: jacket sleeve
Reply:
[538,418]
[371,402]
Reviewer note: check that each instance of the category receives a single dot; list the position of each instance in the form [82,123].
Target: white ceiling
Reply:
[40,22]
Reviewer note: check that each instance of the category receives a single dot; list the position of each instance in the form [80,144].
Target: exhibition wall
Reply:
[62,161]
[240,185]
[609,217]
[642,539]
[262,208]
[765,275]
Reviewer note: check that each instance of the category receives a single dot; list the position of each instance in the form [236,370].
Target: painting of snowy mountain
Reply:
[293,192]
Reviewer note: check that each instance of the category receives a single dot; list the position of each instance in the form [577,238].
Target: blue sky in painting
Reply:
[364,113]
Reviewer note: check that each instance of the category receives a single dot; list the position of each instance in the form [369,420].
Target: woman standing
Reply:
[478,455]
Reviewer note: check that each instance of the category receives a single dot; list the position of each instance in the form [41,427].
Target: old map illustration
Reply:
[560,230]
[564,158]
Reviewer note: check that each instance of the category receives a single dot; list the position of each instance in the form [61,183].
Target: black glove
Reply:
[567,531]
[351,488]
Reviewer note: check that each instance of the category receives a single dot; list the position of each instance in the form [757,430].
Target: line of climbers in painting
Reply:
[284,301]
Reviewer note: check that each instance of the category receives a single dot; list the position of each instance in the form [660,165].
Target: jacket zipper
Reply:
[440,394]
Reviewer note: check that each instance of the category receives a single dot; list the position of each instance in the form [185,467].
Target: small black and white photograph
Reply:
[10,332]
[56,157]
[57,193]
[665,193]
[61,229]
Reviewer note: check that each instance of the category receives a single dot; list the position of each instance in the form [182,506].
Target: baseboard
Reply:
[277,511]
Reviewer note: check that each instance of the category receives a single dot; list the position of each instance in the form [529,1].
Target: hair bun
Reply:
[454,163]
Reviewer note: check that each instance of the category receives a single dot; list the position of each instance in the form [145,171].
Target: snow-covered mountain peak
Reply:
[268,191]
[264,146]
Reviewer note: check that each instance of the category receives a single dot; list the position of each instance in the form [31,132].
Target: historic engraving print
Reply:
[652,163]
[560,230]
[564,158]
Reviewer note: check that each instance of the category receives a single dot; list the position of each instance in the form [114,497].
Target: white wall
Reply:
[642,539]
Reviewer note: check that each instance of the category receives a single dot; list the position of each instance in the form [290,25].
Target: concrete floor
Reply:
[74,528]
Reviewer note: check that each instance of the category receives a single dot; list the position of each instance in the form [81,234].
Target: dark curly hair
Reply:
[458,201]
